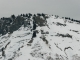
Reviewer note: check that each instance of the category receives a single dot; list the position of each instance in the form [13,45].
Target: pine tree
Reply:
[26,15]
[13,16]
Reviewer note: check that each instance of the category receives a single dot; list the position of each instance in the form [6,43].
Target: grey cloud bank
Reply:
[65,8]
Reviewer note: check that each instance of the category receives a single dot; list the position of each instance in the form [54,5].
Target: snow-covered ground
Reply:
[62,42]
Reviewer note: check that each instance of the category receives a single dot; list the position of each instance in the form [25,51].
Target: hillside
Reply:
[39,37]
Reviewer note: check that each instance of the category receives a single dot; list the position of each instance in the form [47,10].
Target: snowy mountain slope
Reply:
[57,40]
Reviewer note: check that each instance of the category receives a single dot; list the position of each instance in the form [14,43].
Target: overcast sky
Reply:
[65,8]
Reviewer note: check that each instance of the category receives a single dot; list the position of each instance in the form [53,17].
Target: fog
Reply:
[63,8]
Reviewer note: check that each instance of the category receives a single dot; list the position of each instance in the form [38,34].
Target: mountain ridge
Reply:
[43,37]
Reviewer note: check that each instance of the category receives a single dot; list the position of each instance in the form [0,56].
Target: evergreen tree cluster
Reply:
[40,21]
[71,19]
[12,23]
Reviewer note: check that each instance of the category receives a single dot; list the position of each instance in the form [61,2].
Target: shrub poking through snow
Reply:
[61,24]
[34,34]
[34,25]
[64,35]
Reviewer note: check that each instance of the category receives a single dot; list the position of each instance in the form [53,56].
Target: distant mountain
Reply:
[39,37]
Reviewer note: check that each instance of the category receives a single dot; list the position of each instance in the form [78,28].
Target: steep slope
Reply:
[56,39]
